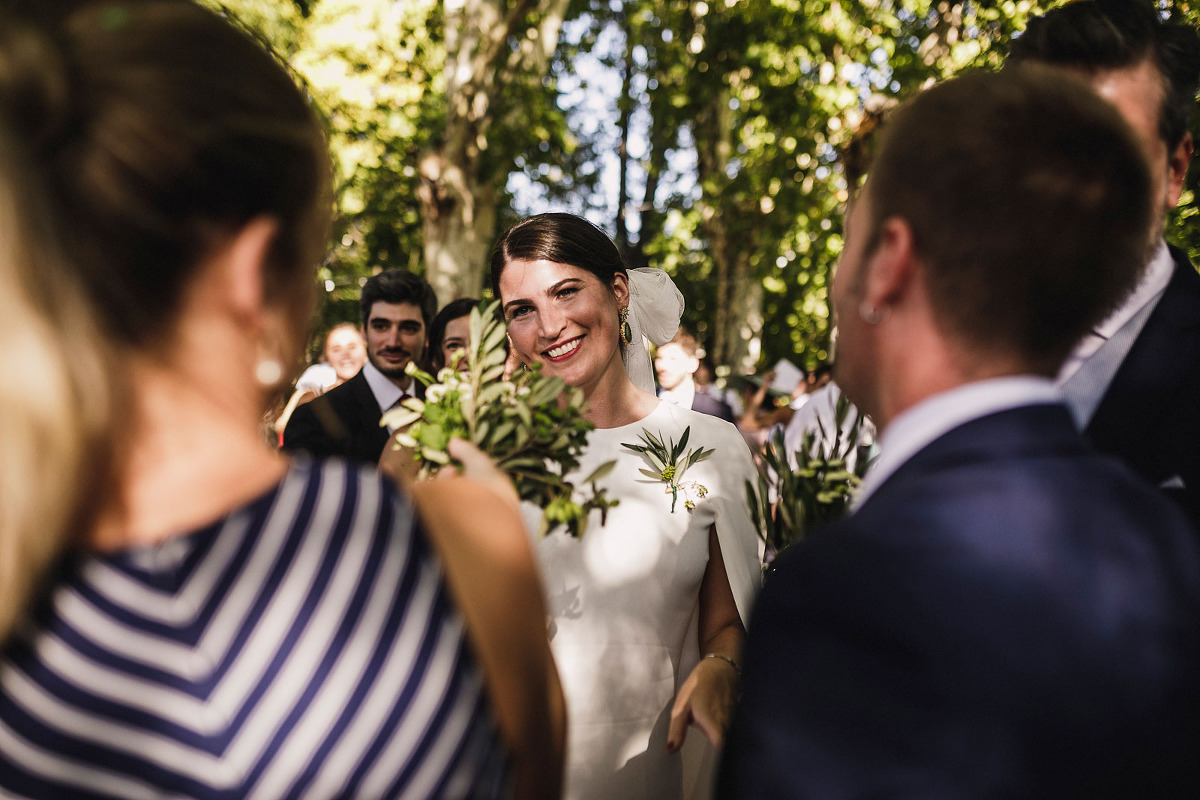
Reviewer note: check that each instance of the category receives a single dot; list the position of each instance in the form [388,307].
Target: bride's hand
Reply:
[705,700]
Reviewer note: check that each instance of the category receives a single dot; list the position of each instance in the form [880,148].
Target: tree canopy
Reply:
[720,156]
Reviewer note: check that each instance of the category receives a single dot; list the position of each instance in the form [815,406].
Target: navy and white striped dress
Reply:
[303,646]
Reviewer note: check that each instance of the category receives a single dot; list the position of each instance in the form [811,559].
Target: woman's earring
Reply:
[626,330]
[268,372]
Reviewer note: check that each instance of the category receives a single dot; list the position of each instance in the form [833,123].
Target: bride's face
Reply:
[566,319]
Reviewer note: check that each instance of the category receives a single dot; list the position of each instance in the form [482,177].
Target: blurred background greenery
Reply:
[706,136]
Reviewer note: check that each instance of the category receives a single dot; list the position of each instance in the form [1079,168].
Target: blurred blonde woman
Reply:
[342,356]
[185,611]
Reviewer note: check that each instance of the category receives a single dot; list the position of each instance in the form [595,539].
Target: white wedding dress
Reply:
[623,605]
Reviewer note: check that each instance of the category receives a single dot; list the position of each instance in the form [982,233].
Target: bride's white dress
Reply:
[623,605]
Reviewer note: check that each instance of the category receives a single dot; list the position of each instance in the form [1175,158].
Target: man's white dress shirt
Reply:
[387,394]
[1108,344]
[921,424]
[682,395]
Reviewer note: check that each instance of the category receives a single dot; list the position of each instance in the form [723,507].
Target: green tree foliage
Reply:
[1183,224]
[375,71]
[379,71]
[746,108]
[769,93]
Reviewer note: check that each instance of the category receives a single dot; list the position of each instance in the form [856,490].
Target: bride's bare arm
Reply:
[491,572]
[707,697]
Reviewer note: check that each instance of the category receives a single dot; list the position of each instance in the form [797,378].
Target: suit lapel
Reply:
[365,439]
[1147,383]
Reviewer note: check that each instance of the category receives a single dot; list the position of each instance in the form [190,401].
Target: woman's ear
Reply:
[244,267]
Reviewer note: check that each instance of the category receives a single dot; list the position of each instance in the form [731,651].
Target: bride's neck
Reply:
[618,402]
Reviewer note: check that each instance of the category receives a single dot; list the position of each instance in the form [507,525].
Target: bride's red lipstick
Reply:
[574,348]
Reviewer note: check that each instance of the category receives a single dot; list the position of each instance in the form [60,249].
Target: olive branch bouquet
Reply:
[814,492]
[532,426]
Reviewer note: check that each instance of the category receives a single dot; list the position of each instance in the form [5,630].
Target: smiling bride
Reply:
[648,610]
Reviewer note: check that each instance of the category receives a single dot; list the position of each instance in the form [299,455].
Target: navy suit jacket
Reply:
[1010,615]
[1150,414]
[342,422]
[707,404]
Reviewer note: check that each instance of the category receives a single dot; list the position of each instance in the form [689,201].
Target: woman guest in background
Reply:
[648,610]
[342,357]
[450,332]
[183,612]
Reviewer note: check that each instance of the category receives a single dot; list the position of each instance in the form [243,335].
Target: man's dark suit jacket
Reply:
[707,404]
[342,422]
[1010,615]
[1150,414]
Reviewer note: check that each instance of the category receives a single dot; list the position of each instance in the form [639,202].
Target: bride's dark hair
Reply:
[561,238]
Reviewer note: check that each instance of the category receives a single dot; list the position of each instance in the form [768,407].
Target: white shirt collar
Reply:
[1151,286]
[1153,283]
[386,393]
[919,425]
[682,395]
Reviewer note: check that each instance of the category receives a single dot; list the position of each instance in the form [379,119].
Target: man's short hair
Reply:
[1028,198]
[687,343]
[1095,35]
[398,286]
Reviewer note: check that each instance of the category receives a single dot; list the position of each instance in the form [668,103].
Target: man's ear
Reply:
[244,267]
[1177,169]
[890,266]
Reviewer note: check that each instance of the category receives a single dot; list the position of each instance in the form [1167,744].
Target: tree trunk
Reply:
[458,201]
[738,322]
[458,220]
[624,120]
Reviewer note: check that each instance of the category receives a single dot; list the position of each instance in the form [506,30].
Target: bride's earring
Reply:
[626,330]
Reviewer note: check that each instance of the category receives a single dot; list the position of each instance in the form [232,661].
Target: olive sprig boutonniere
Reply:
[670,464]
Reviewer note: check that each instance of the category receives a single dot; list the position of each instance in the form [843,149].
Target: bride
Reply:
[648,611]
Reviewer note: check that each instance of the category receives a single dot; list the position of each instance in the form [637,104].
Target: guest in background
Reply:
[675,363]
[450,332]
[1005,613]
[397,308]
[341,358]
[1133,382]
[705,378]
[183,611]
[818,417]
[764,409]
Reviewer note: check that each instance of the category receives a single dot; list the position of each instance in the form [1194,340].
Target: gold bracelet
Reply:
[727,660]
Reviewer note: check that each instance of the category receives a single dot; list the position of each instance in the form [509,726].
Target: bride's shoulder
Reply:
[705,429]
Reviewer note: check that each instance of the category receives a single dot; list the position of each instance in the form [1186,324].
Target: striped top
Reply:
[303,646]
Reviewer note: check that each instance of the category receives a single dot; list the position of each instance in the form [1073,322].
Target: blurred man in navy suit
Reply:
[675,363]
[1133,381]
[1005,613]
